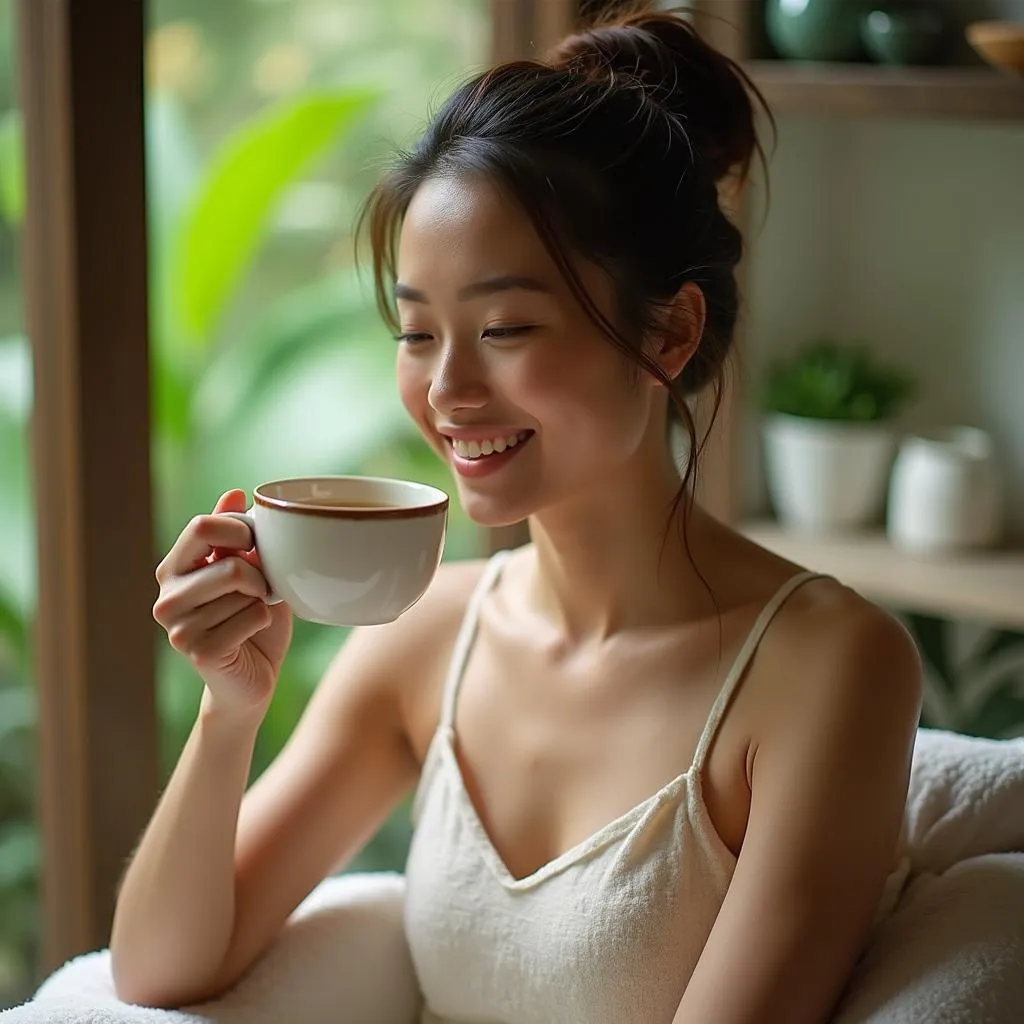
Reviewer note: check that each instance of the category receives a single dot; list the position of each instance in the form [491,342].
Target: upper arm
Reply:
[828,791]
[344,768]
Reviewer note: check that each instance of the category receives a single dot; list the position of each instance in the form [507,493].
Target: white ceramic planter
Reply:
[826,476]
[946,493]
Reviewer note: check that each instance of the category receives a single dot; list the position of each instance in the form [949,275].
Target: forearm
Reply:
[175,912]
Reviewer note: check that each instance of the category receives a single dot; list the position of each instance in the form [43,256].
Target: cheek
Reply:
[589,400]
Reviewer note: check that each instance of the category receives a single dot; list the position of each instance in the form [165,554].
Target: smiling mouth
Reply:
[481,449]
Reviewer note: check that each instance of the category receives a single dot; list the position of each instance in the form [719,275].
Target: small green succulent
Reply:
[827,381]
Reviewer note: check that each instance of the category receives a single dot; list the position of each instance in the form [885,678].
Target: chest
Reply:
[552,749]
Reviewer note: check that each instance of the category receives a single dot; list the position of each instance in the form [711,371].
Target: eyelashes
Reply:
[508,332]
[491,333]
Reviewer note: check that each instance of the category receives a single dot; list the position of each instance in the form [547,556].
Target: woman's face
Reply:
[498,364]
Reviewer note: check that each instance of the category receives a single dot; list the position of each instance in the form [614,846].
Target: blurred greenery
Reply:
[828,381]
[266,124]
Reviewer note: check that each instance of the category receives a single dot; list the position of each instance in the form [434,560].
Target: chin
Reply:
[493,513]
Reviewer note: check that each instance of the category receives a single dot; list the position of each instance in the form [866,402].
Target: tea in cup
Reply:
[348,550]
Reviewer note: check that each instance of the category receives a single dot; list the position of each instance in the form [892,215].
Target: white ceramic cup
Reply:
[348,550]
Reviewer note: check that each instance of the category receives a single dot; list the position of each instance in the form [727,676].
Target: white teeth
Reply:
[476,449]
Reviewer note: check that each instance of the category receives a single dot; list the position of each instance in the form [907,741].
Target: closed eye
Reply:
[494,333]
[498,333]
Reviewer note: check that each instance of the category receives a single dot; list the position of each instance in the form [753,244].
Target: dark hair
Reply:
[614,146]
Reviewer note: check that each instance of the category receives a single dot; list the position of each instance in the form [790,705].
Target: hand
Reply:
[212,604]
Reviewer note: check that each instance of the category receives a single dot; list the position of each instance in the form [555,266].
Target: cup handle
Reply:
[246,517]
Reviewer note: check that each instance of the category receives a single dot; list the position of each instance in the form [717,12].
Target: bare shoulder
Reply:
[833,655]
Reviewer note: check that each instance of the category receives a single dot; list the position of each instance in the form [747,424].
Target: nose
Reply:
[459,380]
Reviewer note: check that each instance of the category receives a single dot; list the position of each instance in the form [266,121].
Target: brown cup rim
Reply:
[340,511]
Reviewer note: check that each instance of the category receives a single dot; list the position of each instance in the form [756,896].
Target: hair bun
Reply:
[706,90]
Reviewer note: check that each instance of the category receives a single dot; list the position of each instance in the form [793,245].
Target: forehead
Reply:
[467,225]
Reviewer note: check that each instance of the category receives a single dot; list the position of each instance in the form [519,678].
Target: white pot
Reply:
[826,476]
[946,493]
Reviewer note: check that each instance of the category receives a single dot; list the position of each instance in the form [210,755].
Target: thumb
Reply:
[231,501]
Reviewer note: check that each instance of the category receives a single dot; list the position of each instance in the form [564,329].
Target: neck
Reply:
[616,559]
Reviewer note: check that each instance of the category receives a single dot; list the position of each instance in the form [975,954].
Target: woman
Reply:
[661,772]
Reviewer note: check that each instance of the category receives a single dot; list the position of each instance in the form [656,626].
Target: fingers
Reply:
[214,647]
[198,541]
[231,501]
[180,597]
[204,633]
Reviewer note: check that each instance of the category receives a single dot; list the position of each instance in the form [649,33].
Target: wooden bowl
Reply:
[1001,43]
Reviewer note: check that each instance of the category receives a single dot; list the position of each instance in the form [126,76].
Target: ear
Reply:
[682,327]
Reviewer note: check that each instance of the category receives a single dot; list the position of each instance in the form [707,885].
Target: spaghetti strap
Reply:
[464,640]
[739,666]
[453,679]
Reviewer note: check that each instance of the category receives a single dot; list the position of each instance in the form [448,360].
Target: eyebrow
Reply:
[479,289]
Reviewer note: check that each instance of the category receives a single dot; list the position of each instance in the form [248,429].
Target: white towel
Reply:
[342,959]
[950,952]
[966,798]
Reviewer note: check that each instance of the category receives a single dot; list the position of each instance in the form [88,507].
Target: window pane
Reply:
[268,122]
[19,847]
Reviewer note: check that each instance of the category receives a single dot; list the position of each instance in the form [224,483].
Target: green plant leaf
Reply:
[246,383]
[240,191]
[835,382]
[14,632]
[332,311]
[12,168]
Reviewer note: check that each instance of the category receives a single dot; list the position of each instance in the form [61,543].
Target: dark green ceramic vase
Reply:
[827,30]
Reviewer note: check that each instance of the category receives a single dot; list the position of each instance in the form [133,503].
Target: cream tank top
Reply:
[608,932]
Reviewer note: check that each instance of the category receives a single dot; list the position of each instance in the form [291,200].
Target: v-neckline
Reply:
[607,834]
[597,840]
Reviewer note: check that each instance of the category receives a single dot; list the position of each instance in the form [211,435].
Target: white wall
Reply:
[909,236]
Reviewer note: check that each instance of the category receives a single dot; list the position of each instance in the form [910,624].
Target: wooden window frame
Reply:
[85,288]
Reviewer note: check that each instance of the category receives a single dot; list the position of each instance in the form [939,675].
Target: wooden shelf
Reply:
[868,90]
[988,587]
